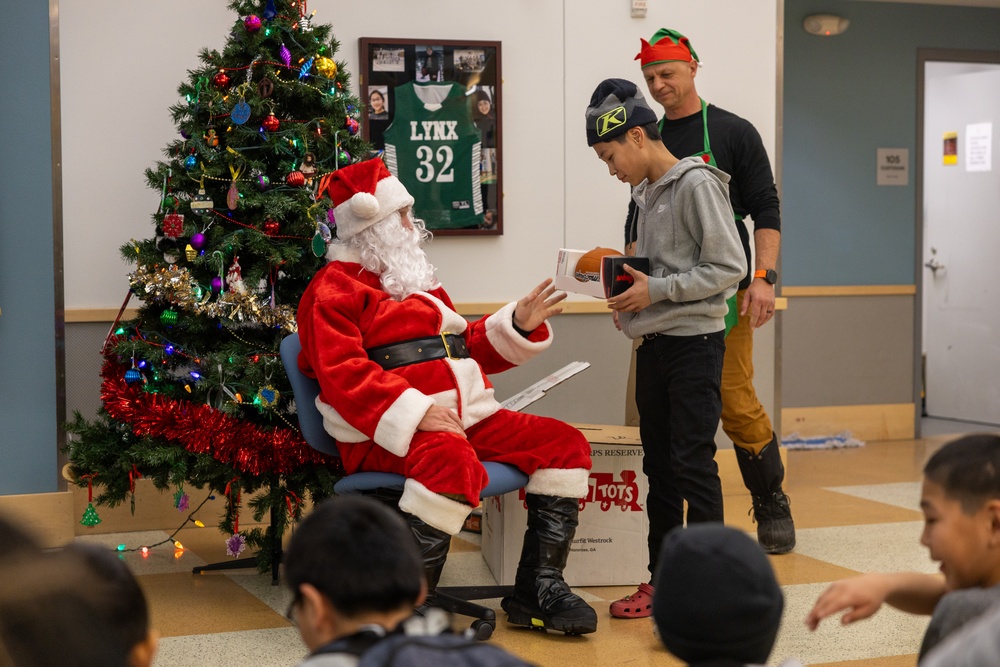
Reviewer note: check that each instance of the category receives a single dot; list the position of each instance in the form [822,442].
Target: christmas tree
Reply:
[193,390]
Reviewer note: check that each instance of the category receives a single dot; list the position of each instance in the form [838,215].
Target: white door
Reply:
[961,249]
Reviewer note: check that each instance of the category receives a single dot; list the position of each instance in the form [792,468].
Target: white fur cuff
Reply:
[509,344]
[398,424]
[559,482]
[432,508]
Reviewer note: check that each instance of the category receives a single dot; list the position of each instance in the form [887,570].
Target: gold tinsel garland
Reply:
[179,287]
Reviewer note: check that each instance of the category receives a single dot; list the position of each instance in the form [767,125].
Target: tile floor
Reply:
[855,510]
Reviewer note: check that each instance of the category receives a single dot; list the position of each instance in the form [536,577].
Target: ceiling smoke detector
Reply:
[825,25]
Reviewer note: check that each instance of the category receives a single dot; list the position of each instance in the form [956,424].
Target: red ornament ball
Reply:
[296,179]
[352,126]
[271,124]
[271,227]
[221,80]
[252,23]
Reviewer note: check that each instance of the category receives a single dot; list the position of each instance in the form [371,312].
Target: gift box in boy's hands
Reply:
[579,271]
[614,278]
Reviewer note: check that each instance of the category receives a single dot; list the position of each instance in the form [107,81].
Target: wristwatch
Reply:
[770,275]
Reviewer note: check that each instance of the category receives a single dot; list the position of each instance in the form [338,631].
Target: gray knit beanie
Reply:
[616,106]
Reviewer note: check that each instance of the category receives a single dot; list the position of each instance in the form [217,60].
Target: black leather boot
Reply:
[763,474]
[433,545]
[541,598]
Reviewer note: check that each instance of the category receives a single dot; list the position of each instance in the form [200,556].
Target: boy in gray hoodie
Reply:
[696,261]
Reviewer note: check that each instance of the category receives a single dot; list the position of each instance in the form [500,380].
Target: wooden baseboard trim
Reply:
[46,516]
[891,421]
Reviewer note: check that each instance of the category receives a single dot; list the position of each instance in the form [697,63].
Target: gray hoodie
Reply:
[686,228]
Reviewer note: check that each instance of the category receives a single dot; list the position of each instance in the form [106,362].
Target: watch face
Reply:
[771,276]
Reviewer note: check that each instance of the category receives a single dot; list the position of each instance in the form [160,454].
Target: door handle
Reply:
[933,265]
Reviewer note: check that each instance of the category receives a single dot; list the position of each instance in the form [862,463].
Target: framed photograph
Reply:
[433,115]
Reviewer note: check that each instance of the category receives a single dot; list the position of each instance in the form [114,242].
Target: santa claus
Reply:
[404,389]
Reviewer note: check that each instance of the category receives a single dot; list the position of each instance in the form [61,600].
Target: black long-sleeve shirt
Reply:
[738,151]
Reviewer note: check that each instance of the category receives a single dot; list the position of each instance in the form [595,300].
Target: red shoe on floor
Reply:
[637,605]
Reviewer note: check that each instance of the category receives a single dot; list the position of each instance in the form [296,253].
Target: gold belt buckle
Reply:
[447,348]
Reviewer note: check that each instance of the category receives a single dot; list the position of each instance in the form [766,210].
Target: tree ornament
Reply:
[235,545]
[240,113]
[265,87]
[133,376]
[181,500]
[197,241]
[285,55]
[322,236]
[352,126]
[173,225]
[234,277]
[269,11]
[169,317]
[190,162]
[326,66]
[343,157]
[190,252]
[232,197]
[211,138]
[201,203]
[170,257]
[221,80]
[308,167]
[272,227]
[304,71]
[304,23]
[170,201]
[263,182]
[268,396]
[252,23]
[296,179]
[217,285]
[271,123]
[90,517]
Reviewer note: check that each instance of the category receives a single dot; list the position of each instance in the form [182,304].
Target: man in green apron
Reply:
[692,127]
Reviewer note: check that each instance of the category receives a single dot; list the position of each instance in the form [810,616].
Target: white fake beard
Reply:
[394,253]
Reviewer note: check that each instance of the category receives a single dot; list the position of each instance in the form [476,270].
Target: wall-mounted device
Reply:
[825,25]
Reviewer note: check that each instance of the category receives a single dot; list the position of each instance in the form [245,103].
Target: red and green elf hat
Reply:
[666,46]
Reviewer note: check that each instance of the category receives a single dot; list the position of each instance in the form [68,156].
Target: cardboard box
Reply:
[565,270]
[609,548]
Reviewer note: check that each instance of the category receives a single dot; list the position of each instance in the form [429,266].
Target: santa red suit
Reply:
[390,352]
[373,413]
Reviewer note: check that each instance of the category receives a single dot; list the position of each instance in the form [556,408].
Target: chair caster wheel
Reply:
[482,630]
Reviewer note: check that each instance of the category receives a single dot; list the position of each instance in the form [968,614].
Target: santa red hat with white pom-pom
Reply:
[363,194]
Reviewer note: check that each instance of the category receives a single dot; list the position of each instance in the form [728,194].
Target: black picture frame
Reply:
[436,104]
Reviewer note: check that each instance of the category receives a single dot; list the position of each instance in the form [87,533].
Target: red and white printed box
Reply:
[609,548]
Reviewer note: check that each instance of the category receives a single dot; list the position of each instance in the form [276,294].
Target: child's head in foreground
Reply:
[961,505]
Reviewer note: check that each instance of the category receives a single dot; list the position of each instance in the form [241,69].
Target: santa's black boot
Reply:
[433,545]
[541,598]
[763,474]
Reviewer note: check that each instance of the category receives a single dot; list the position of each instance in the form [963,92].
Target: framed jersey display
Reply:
[433,114]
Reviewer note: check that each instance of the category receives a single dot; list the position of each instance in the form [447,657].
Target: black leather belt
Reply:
[443,346]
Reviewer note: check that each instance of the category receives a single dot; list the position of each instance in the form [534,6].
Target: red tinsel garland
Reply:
[202,429]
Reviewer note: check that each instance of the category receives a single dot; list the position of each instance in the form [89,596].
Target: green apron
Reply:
[732,315]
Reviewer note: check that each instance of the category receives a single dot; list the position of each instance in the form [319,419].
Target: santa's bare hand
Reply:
[442,419]
[538,306]
[636,297]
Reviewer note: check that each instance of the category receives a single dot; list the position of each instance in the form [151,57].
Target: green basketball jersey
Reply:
[434,148]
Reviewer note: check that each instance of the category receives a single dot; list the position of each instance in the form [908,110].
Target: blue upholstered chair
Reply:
[503,479]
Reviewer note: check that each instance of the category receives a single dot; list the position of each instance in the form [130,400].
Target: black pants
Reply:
[677,393]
